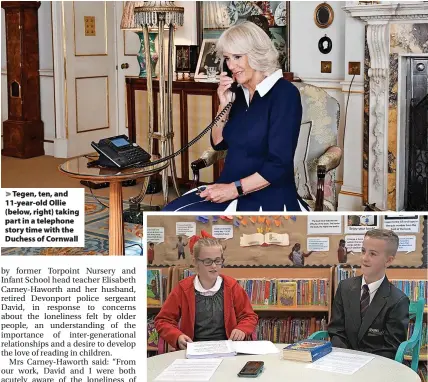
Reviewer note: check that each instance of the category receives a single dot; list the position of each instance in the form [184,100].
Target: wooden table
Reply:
[77,168]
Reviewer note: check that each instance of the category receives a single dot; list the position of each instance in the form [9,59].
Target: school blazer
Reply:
[384,325]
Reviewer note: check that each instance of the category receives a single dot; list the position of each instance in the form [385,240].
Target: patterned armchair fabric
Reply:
[322,112]
[317,145]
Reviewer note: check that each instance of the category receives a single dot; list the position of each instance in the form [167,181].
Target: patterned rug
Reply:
[96,235]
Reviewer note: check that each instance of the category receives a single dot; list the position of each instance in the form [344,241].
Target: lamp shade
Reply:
[128,19]
[150,12]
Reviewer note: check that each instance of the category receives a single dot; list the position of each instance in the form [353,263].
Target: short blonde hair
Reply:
[387,235]
[206,242]
[249,39]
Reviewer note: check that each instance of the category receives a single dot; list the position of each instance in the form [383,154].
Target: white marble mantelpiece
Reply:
[378,18]
[407,11]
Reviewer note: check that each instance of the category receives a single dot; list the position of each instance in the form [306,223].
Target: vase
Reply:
[141,56]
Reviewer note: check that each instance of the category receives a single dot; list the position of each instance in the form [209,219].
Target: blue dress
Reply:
[260,137]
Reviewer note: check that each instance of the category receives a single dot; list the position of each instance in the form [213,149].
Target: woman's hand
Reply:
[219,193]
[237,335]
[182,341]
[224,94]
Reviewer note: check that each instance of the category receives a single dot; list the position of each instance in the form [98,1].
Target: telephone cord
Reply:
[192,142]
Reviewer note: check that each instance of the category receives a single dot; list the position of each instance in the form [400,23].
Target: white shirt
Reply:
[263,87]
[373,287]
[207,292]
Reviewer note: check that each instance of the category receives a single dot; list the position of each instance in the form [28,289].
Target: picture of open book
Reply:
[270,238]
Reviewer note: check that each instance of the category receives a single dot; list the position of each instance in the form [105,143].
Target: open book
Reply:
[270,238]
[218,349]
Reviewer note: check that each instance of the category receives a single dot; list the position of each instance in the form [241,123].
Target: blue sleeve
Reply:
[285,117]
[222,145]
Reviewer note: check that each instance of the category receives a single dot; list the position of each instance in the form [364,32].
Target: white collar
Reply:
[198,286]
[374,286]
[263,87]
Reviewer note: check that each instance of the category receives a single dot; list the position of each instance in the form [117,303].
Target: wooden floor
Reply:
[42,172]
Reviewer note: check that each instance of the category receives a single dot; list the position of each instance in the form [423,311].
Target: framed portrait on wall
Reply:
[207,59]
[214,17]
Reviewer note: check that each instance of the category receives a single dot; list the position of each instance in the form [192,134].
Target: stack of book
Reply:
[307,350]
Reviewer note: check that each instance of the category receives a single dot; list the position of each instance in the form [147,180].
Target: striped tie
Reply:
[365,300]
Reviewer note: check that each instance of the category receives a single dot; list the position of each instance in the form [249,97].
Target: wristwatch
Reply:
[238,186]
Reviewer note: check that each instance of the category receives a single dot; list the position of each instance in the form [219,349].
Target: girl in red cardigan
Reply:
[207,306]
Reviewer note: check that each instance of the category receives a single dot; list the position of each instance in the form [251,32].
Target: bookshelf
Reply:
[392,274]
[166,289]
[286,273]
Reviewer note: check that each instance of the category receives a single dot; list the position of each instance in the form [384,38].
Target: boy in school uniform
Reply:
[369,313]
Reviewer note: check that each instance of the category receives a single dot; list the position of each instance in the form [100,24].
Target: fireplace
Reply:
[395,155]
[416,191]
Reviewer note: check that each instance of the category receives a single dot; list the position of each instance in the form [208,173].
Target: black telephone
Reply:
[119,152]
[226,69]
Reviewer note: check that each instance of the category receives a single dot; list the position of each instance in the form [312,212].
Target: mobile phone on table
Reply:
[252,369]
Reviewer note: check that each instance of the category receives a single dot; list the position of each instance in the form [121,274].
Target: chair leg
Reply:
[319,203]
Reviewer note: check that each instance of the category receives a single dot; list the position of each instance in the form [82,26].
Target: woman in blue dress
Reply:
[260,133]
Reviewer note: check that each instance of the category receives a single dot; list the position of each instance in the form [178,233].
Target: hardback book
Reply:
[287,293]
[307,350]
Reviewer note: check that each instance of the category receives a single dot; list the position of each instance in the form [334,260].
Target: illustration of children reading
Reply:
[297,256]
[180,248]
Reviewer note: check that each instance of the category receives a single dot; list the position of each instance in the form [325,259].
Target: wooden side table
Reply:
[78,168]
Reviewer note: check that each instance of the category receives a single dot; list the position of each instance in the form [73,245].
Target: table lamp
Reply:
[128,23]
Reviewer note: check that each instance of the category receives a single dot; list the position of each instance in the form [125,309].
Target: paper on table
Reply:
[210,349]
[189,370]
[255,347]
[340,362]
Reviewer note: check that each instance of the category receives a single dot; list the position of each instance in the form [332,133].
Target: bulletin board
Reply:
[276,236]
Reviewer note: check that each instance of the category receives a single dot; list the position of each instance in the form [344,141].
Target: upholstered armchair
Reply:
[317,154]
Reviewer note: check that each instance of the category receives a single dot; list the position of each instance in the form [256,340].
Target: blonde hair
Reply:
[206,242]
[249,39]
[387,235]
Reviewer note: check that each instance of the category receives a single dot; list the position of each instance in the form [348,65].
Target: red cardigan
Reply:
[180,306]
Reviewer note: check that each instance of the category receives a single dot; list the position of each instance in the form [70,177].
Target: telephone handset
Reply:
[119,152]
[226,69]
